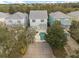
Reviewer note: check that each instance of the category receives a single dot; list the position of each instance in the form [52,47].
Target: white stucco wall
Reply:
[2,20]
[15,22]
[37,23]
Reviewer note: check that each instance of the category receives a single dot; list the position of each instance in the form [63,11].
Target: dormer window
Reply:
[42,20]
[18,21]
[10,21]
[33,20]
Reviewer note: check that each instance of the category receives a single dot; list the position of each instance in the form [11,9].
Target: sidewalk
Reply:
[72,43]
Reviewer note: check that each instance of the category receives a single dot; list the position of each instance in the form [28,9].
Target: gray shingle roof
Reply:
[21,14]
[3,15]
[17,16]
[75,13]
[38,14]
[58,15]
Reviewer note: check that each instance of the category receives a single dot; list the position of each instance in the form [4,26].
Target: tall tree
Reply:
[11,9]
[56,36]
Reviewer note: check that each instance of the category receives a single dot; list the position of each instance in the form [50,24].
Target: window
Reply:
[33,20]
[18,21]
[42,20]
[10,21]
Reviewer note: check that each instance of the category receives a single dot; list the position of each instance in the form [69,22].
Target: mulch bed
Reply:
[59,53]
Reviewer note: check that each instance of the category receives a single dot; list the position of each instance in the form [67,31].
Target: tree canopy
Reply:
[14,44]
[56,36]
[52,7]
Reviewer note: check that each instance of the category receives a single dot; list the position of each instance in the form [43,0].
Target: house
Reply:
[74,15]
[17,19]
[2,17]
[63,18]
[38,21]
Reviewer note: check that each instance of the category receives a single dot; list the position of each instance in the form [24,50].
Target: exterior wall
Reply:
[14,22]
[38,25]
[65,22]
[2,19]
[51,20]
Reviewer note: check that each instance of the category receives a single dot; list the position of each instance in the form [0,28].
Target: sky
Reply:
[20,1]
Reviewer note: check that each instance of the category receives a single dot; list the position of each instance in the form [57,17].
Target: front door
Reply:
[42,35]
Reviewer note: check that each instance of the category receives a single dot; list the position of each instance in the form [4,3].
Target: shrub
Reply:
[56,36]
[74,30]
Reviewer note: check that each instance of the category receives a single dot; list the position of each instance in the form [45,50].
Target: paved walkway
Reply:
[72,43]
[71,46]
[39,50]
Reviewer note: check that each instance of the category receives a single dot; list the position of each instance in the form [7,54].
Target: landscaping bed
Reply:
[75,36]
[57,39]
[14,43]
[59,53]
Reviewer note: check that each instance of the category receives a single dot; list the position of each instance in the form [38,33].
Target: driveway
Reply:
[72,46]
[72,43]
[39,50]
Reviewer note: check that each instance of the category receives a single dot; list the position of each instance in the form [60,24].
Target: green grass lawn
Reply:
[59,53]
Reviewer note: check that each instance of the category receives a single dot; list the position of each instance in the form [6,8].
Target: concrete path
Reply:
[72,43]
[71,46]
[39,50]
